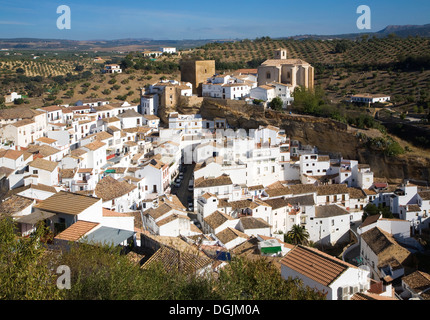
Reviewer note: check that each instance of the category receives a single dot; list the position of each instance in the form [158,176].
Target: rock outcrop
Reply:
[331,137]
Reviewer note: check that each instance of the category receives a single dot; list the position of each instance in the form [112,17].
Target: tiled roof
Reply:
[172,260]
[67,173]
[332,189]
[44,150]
[315,264]
[329,211]
[384,246]
[419,281]
[94,145]
[279,62]
[216,219]
[370,296]
[277,203]
[229,234]
[15,203]
[109,188]
[46,140]
[76,231]
[413,208]
[171,218]
[369,192]
[110,213]
[67,202]
[425,195]
[369,220]
[158,212]
[253,223]
[23,122]
[43,164]
[306,200]
[276,192]
[302,189]
[212,182]
[242,204]
[10,154]
[151,117]
[356,193]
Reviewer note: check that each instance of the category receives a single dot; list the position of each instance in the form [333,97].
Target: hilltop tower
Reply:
[196,72]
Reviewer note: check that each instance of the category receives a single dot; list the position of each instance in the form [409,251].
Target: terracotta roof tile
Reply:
[76,231]
[315,264]
[66,202]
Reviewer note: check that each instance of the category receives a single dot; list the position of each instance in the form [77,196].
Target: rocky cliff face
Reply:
[329,136]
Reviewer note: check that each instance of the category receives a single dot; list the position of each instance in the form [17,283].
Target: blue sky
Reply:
[191,19]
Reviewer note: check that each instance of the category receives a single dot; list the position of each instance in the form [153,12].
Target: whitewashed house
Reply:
[149,103]
[382,254]
[70,207]
[43,171]
[130,119]
[11,97]
[96,155]
[26,131]
[333,277]
[119,196]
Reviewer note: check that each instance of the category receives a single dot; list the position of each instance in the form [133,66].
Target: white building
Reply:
[168,50]
[338,279]
[369,98]
[95,155]
[26,131]
[12,97]
[112,68]
[382,254]
[44,172]
[149,103]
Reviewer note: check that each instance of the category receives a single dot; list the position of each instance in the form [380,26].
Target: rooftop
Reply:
[66,202]
[43,164]
[109,188]
[76,231]
[315,264]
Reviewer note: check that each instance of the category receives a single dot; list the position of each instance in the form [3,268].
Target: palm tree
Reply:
[297,235]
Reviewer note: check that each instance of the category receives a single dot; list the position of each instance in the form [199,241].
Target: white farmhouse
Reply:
[11,97]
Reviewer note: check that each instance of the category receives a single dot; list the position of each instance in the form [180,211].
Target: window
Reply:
[268,75]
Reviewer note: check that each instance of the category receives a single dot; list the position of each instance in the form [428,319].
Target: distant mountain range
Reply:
[400,31]
[151,44]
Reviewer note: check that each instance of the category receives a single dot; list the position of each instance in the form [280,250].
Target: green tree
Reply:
[371,209]
[297,235]
[259,279]
[276,104]
[25,265]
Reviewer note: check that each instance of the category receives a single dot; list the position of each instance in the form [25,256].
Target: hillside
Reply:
[399,67]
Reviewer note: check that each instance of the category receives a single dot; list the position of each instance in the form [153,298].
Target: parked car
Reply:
[178,184]
[190,207]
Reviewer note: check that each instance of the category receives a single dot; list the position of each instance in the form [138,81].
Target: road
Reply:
[182,192]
